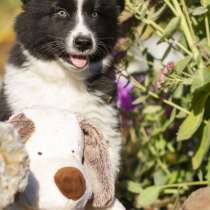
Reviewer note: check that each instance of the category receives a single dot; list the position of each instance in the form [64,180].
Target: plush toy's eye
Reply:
[40,153]
[62,13]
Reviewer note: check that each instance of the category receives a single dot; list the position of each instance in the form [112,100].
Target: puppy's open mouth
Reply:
[78,61]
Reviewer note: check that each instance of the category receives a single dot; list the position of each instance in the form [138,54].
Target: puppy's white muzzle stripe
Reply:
[80,29]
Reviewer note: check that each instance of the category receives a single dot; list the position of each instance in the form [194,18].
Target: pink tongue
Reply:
[79,62]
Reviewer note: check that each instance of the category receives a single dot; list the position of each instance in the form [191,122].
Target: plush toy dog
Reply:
[69,164]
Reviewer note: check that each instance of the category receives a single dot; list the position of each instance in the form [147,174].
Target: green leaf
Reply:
[159,178]
[203,148]
[206,2]
[171,28]
[194,119]
[151,109]
[182,64]
[140,100]
[134,187]
[148,196]
[181,115]
[201,79]
[178,93]
[199,11]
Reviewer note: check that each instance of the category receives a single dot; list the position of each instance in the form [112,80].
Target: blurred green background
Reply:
[8,11]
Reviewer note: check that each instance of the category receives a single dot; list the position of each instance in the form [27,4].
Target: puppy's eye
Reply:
[62,13]
[94,14]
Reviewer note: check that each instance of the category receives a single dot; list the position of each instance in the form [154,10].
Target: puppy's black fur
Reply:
[41,32]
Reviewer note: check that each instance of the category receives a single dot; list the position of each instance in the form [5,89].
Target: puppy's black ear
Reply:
[120,5]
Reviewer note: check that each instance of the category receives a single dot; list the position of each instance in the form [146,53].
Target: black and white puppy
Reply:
[62,58]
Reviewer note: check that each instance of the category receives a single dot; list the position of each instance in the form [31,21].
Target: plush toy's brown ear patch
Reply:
[24,126]
[97,160]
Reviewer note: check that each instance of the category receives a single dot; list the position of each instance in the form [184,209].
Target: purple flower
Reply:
[124,97]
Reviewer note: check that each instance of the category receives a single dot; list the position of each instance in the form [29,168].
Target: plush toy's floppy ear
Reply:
[97,160]
[24,126]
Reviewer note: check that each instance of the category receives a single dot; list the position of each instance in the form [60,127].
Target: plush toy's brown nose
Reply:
[70,182]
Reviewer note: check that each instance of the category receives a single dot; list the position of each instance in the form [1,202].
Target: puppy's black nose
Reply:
[83,43]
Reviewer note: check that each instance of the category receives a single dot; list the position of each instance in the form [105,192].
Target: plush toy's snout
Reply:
[70,182]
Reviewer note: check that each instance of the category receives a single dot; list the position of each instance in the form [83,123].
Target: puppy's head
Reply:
[76,32]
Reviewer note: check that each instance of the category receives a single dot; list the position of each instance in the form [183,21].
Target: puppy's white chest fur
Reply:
[42,83]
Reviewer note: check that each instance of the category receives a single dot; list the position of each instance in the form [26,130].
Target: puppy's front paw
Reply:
[14,164]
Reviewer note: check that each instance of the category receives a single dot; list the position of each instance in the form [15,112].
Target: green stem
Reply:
[178,44]
[188,18]
[186,29]
[171,7]
[163,167]
[160,33]
[165,101]
[189,184]
[206,23]
[154,95]
[207,29]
